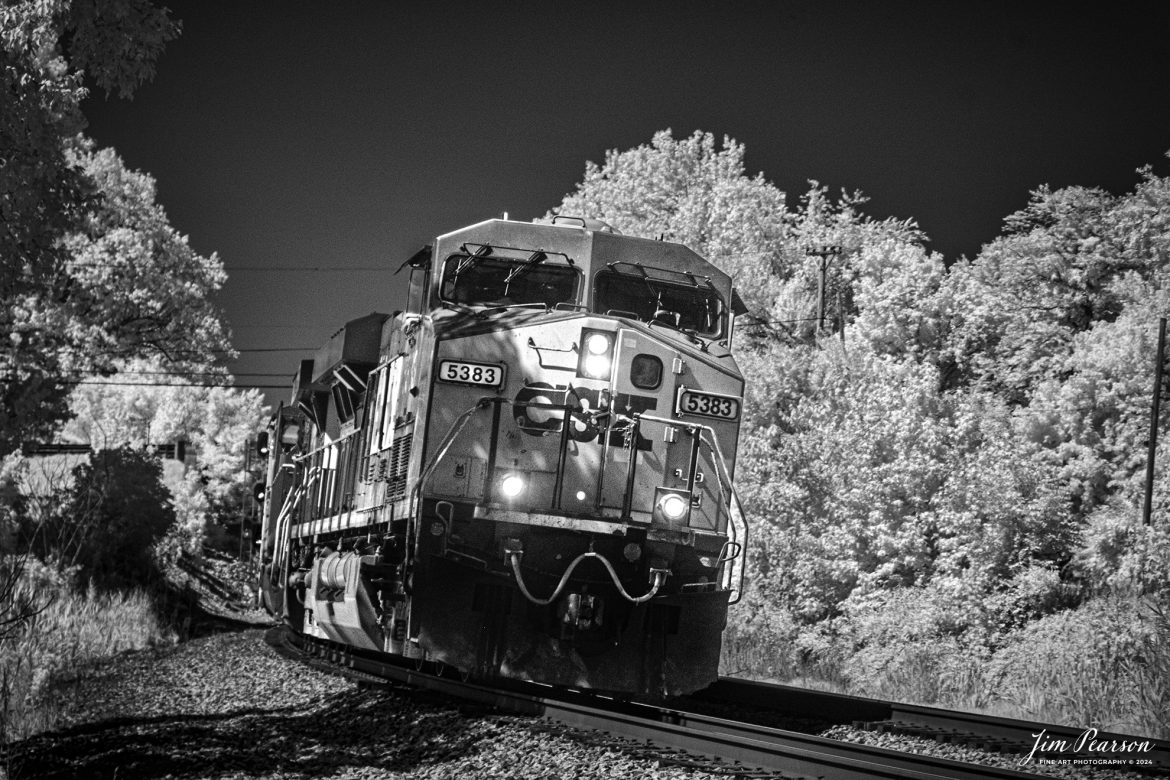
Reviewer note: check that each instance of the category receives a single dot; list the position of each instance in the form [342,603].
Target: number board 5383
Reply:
[723,407]
[464,373]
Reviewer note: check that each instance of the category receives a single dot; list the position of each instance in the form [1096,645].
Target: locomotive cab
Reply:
[529,473]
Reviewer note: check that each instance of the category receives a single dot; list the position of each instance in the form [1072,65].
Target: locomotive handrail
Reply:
[514,556]
[732,497]
[323,447]
[741,553]
[720,463]
[713,443]
[724,483]
[285,521]
[452,433]
[495,400]
[726,489]
[283,530]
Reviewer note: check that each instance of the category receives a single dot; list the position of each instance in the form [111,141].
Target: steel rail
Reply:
[749,745]
[1009,734]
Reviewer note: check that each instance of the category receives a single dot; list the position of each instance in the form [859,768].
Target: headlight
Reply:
[512,485]
[597,366]
[597,344]
[596,354]
[673,506]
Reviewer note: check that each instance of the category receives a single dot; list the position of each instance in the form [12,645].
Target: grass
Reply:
[1104,664]
[72,631]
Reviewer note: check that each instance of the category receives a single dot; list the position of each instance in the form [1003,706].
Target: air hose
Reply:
[658,578]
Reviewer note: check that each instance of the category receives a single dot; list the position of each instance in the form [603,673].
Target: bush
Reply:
[913,644]
[929,644]
[1105,664]
[759,641]
[114,513]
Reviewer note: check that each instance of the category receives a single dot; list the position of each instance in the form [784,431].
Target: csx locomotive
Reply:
[525,474]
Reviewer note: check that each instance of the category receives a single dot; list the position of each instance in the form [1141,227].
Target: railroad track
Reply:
[1009,736]
[676,732]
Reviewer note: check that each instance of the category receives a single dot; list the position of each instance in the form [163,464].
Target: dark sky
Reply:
[346,136]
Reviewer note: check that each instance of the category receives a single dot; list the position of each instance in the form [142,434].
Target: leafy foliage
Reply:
[955,478]
[92,273]
[214,423]
[104,530]
[145,291]
[695,193]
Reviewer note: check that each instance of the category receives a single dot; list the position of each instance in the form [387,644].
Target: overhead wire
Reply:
[248,268]
[237,386]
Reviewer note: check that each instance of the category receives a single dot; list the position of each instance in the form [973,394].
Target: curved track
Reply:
[1013,737]
[744,748]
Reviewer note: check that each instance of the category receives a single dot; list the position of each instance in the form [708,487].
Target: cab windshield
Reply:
[479,280]
[652,296]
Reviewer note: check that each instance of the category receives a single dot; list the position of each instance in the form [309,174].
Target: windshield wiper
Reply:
[473,259]
[535,259]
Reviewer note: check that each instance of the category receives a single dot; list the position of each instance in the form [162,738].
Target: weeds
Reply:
[57,645]
[1104,664]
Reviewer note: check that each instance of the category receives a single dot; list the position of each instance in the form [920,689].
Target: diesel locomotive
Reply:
[525,474]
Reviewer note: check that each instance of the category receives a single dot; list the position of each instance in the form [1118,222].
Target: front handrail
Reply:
[737,537]
[732,552]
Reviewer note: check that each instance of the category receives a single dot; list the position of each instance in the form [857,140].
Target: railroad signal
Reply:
[258,491]
[262,444]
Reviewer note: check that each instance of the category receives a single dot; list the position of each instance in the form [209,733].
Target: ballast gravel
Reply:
[911,744]
[227,706]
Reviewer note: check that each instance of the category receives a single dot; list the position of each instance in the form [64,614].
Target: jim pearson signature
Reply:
[1086,743]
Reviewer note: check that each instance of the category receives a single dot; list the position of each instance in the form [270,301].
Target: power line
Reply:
[249,268]
[304,268]
[269,349]
[241,386]
[198,373]
[773,322]
[173,374]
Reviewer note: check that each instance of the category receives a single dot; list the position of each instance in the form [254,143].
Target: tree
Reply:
[117,509]
[57,197]
[694,193]
[967,458]
[145,291]
[698,194]
[1059,318]
[215,423]
[1067,261]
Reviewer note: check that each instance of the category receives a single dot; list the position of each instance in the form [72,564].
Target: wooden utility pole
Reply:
[824,252]
[1155,411]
